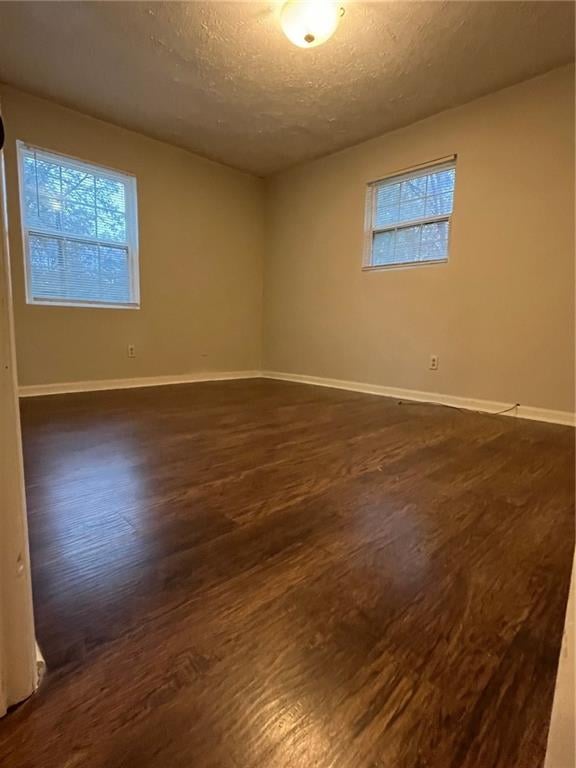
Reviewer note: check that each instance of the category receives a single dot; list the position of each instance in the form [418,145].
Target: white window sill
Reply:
[85,304]
[403,265]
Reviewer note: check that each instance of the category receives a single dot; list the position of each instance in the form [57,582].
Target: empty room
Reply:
[287,403]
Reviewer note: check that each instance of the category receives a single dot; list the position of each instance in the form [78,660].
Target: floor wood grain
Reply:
[257,574]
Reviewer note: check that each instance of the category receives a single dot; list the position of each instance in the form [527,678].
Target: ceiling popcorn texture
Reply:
[222,80]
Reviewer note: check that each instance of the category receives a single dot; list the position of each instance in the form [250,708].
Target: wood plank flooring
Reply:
[257,574]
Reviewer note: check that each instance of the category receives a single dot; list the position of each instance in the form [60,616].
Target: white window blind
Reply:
[408,217]
[80,230]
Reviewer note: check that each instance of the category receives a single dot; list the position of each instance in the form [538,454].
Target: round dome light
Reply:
[308,23]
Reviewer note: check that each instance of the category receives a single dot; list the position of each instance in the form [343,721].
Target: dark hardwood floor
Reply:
[257,574]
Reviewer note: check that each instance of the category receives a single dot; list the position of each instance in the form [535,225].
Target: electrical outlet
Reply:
[434,362]
[131,350]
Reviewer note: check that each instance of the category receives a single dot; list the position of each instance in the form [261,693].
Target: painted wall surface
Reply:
[200,260]
[500,313]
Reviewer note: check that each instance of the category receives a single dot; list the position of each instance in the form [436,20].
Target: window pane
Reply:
[407,244]
[111,226]
[383,248]
[387,205]
[29,173]
[49,212]
[110,195]
[73,270]
[79,219]
[48,175]
[412,209]
[442,181]
[114,274]
[440,205]
[73,200]
[30,212]
[425,242]
[46,266]
[415,187]
[434,241]
[82,271]
[78,186]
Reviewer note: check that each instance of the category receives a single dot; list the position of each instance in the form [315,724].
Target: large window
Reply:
[80,231]
[408,217]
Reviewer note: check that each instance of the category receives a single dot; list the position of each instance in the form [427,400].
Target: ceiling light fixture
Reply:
[308,23]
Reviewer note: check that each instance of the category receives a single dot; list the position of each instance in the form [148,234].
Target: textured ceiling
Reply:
[220,78]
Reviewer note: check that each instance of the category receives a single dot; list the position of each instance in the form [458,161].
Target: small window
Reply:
[80,232]
[408,217]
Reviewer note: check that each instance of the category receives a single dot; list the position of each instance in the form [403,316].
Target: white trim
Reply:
[90,304]
[403,264]
[38,390]
[486,406]
[119,174]
[440,218]
[420,169]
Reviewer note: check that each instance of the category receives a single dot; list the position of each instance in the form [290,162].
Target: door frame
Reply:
[18,657]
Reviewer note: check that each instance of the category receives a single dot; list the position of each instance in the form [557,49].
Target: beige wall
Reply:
[500,314]
[200,260]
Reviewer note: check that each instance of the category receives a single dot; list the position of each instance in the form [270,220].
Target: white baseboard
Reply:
[486,406]
[40,665]
[38,390]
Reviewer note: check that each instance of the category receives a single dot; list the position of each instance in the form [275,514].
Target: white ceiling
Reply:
[220,78]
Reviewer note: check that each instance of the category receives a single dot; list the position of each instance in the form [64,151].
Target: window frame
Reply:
[370,230]
[130,184]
